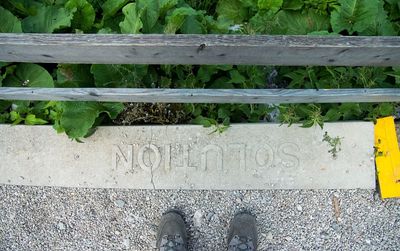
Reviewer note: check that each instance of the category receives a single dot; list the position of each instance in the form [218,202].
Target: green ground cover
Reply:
[295,17]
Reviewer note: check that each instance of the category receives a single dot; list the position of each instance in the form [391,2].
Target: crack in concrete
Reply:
[151,168]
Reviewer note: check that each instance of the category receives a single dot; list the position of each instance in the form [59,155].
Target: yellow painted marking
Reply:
[387,158]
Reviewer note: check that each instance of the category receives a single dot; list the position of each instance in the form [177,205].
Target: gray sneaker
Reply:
[242,234]
[171,234]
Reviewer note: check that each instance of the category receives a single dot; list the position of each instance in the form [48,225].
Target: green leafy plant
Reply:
[294,17]
[366,17]
[334,144]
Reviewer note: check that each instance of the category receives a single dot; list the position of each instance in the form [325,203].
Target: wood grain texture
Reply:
[200,49]
[250,96]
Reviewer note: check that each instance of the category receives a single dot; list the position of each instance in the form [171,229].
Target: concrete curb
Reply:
[246,156]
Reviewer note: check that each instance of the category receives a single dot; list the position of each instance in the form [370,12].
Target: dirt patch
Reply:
[144,113]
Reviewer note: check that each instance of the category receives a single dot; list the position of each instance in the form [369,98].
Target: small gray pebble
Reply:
[210,216]
[335,226]
[269,236]
[288,238]
[61,226]
[197,218]
[324,235]
[119,203]
[126,243]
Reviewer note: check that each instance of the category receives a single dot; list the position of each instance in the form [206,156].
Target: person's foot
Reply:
[242,233]
[171,234]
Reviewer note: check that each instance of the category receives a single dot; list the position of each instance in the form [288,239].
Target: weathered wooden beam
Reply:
[250,96]
[200,49]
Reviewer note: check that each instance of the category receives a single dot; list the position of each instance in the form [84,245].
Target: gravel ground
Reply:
[43,218]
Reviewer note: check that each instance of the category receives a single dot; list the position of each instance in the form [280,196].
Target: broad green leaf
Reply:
[4,104]
[15,117]
[349,111]
[113,109]
[2,64]
[249,3]
[150,10]
[220,83]
[31,119]
[74,75]
[332,115]
[42,109]
[224,112]
[113,22]
[323,33]
[386,109]
[232,10]
[97,4]
[293,5]
[273,5]
[354,15]
[106,30]
[48,19]
[84,16]
[263,22]
[111,7]
[24,7]
[394,9]
[205,72]
[53,2]
[193,25]
[256,76]
[177,18]
[9,22]
[206,122]
[119,75]
[3,74]
[297,23]
[380,24]
[236,77]
[166,5]
[59,2]
[21,106]
[2,77]
[6,71]
[132,23]
[219,26]
[78,118]
[29,75]
[396,75]
[4,117]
